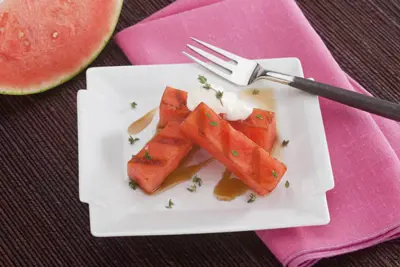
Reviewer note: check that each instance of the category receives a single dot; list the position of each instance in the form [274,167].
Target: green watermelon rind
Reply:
[73,75]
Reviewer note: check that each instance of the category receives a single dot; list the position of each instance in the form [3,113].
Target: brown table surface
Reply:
[44,224]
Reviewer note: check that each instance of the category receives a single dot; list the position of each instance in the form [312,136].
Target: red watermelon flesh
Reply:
[173,106]
[260,127]
[44,43]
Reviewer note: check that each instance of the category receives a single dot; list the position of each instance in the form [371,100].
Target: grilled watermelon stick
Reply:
[159,157]
[260,127]
[249,162]
[173,106]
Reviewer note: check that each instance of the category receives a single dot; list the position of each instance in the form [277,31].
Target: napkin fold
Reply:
[364,148]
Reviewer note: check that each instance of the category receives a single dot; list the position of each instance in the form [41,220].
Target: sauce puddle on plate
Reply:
[182,173]
[263,97]
[228,188]
[140,124]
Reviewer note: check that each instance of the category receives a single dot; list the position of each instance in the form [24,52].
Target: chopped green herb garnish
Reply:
[219,95]
[287,184]
[259,116]
[274,173]
[197,180]
[252,198]
[133,140]
[208,115]
[202,79]
[256,92]
[207,86]
[133,105]
[213,123]
[192,188]
[235,153]
[285,142]
[170,204]
[133,184]
[146,155]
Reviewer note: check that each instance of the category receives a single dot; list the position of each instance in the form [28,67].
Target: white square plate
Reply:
[104,114]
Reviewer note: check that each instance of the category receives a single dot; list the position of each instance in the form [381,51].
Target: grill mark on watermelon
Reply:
[147,161]
[6,57]
[201,132]
[169,105]
[180,105]
[226,146]
[3,20]
[181,100]
[171,141]
[201,122]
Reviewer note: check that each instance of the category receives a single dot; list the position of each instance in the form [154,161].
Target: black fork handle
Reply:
[366,103]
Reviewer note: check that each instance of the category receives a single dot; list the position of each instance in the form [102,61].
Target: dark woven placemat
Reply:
[44,224]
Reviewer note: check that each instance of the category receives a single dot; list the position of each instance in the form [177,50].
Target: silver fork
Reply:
[243,72]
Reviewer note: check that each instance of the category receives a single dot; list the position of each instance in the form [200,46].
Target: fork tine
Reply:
[219,50]
[207,66]
[212,58]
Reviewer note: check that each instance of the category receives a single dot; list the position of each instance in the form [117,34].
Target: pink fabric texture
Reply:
[364,149]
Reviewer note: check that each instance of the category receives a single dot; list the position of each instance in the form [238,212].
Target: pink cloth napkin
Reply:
[364,149]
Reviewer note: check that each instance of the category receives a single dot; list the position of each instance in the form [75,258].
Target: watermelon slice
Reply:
[44,43]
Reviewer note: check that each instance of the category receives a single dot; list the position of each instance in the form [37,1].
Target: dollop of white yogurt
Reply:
[232,108]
